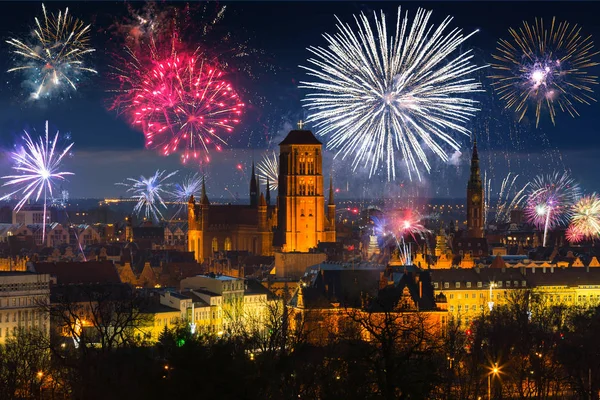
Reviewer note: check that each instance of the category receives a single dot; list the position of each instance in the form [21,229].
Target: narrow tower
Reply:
[302,221]
[253,189]
[475,198]
[268,195]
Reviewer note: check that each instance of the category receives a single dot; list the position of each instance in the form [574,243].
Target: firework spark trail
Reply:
[509,198]
[550,200]
[148,192]
[182,192]
[378,95]
[38,166]
[585,219]
[573,235]
[56,54]
[268,170]
[542,67]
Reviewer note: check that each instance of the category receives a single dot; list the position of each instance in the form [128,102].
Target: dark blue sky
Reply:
[107,150]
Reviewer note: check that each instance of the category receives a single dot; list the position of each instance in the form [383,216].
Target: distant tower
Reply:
[303,221]
[475,198]
[254,194]
[440,243]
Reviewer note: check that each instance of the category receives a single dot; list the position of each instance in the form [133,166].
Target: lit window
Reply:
[446,285]
[479,284]
[435,285]
[468,285]
[457,284]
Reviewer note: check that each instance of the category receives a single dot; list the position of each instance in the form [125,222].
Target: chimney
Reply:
[587,268]
[544,269]
[552,269]
[524,270]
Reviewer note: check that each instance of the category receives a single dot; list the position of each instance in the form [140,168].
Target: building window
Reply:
[457,284]
[435,285]
[516,283]
[507,283]
[451,308]
[227,244]
[499,283]
[479,284]
[523,283]
[215,245]
[446,285]
[451,296]
[468,285]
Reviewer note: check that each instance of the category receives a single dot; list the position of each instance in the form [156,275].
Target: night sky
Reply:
[107,150]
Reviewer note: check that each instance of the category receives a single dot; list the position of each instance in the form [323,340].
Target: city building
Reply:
[30,214]
[303,219]
[298,223]
[23,296]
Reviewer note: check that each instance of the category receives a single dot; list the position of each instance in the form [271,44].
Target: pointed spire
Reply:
[261,200]
[331,200]
[254,193]
[475,179]
[204,199]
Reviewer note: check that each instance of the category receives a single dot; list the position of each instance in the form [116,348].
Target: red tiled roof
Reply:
[80,272]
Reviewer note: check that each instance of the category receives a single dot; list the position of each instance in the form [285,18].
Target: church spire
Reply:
[254,195]
[475,178]
[204,197]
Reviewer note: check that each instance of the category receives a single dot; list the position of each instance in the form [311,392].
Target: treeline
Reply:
[524,349]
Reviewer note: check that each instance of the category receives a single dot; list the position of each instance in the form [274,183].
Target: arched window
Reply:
[227,244]
[215,245]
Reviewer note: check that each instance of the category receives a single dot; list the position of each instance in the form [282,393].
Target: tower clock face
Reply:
[475,198]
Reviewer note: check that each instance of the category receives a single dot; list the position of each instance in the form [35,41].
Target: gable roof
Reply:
[300,137]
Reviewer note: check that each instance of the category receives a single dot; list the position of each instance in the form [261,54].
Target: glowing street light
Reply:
[491,303]
[494,371]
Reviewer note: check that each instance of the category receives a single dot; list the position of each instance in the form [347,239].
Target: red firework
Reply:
[184,105]
[573,234]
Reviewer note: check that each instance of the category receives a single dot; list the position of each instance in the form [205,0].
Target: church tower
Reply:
[475,198]
[302,217]
[254,193]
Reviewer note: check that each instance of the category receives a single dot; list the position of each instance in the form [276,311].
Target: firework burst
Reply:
[541,68]
[54,59]
[268,170]
[379,95]
[573,235]
[38,168]
[585,219]
[148,192]
[184,105]
[190,186]
[550,200]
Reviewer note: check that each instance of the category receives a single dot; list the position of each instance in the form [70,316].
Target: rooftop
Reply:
[300,137]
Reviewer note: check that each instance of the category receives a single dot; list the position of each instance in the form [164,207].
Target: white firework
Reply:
[38,167]
[148,192]
[190,186]
[378,94]
[268,170]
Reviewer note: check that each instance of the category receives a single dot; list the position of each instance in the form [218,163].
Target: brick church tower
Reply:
[304,218]
[475,228]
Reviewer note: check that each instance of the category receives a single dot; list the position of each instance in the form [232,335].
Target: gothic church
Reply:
[297,223]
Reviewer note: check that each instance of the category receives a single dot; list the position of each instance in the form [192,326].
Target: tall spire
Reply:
[204,197]
[331,200]
[268,197]
[254,195]
[475,179]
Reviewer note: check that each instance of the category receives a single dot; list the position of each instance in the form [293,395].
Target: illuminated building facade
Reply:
[21,294]
[216,228]
[304,221]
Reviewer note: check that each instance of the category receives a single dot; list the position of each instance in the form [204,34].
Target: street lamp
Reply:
[40,376]
[493,371]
